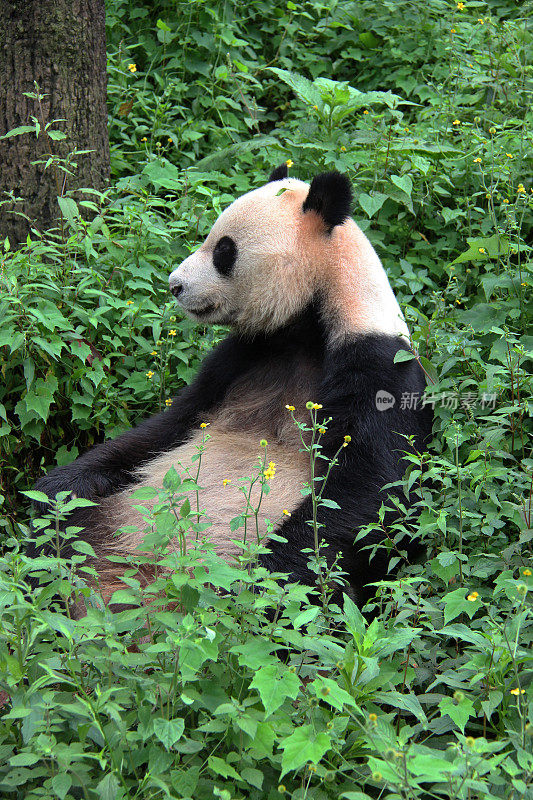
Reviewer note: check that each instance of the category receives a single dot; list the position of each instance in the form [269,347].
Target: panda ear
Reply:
[280,173]
[330,195]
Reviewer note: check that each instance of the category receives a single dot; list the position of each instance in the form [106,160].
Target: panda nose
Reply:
[176,289]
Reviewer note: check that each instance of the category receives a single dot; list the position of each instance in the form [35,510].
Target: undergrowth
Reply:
[244,688]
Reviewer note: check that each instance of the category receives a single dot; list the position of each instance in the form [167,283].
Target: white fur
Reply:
[283,257]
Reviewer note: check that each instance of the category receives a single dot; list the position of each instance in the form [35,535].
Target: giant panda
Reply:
[313,318]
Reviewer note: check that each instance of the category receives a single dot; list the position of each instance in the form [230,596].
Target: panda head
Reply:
[276,248]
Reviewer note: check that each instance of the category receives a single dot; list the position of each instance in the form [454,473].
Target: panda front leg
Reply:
[110,466]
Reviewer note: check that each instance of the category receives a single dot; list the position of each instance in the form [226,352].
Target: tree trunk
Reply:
[60,45]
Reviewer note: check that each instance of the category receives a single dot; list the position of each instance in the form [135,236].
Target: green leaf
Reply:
[354,620]
[83,547]
[459,711]
[371,203]
[222,768]
[69,210]
[429,369]
[408,702]
[304,746]
[61,783]
[107,789]
[23,759]
[18,131]
[403,355]
[40,397]
[305,616]
[253,776]
[481,248]
[403,182]
[455,603]
[56,135]
[39,497]
[185,782]
[330,692]
[274,688]
[168,731]
[303,87]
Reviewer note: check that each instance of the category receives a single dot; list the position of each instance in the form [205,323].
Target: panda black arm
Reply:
[353,374]
[109,466]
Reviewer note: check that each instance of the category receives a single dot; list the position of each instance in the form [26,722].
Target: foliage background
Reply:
[428,108]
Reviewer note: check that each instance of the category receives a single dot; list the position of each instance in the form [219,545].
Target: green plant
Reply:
[433,697]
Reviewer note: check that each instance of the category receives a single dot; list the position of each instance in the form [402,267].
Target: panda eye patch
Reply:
[225,255]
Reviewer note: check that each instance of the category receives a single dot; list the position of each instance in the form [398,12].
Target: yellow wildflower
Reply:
[270,471]
[316,108]
[492,131]
[505,200]
[347,439]
[321,430]
[517,691]
[481,249]
[372,717]
[456,122]
[263,443]
[343,149]
[509,155]
[153,353]
[172,332]
[521,188]
[150,374]
[290,408]
[481,21]
[460,6]
[168,402]
[289,163]
[129,302]
[452,30]
[169,140]
[204,424]
[144,139]
[526,572]
[488,196]
[316,406]
[226,481]
[365,111]
[473,596]
[132,67]
[286,513]
[477,160]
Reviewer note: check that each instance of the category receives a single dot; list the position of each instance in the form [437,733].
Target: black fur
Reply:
[330,195]
[225,255]
[280,173]
[350,375]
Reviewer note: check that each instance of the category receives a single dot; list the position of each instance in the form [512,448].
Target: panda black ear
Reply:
[330,195]
[280,173]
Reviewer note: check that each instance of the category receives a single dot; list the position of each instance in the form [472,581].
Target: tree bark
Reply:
[60,44]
